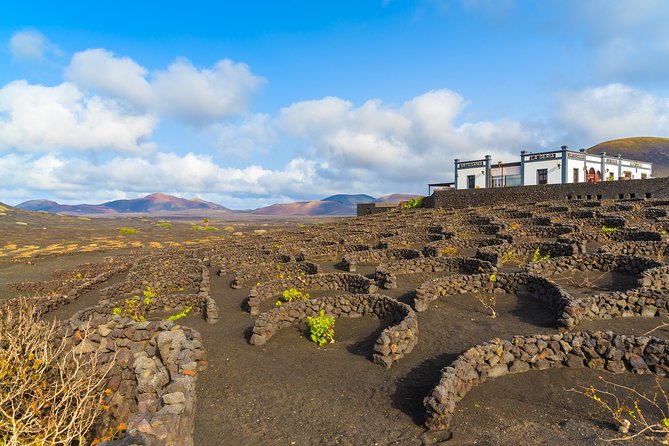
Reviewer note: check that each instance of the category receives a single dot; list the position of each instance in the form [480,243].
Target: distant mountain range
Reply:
[340,204]
[164,204]
[154,203]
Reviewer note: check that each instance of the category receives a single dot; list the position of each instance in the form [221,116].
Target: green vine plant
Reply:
[636,414]
[510,258]
[178,316]
[321,328]
[136,308]
[537,257]
[290,295]
[607,229]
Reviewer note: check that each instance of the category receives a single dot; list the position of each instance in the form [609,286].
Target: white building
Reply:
[561,166]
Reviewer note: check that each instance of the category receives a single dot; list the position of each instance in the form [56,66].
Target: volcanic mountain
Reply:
[154,203]
[650,149]
[341,204]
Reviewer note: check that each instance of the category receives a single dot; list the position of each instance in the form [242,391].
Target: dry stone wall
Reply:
[152,382]
[524,252]
[522,283]
[624,264]
[350,262]
[353,283]
[386,274]
[496,358]
[394,342]
[270,271]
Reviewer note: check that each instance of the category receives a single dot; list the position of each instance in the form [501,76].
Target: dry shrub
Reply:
[50,393]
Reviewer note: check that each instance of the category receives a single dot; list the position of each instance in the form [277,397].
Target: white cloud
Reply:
[183,91]
[31,44]
[252,135]
[119,77]
[39,118]
[406,143]
[613,111]
[194,174]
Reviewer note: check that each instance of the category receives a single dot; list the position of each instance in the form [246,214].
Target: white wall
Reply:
[554,172]
[476,171]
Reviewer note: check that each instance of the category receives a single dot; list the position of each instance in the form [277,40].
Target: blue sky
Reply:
[250,103]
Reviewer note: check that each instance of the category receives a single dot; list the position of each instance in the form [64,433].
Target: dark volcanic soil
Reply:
[291,392]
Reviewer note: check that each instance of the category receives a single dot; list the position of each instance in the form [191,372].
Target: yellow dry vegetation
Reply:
[22,223]
[155,245]
[3,208]
[84,218]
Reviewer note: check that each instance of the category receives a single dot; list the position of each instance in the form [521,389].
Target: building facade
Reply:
[561,166]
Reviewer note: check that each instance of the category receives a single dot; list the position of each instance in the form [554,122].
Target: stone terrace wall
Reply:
[152,382]
[200,301]
[353,283]
[624,264]
[393,343]
[272,271]
[595,350]
[385,274]
[657,250]
[350,261]
[534,286]
[46,304]
[525,251]
[452,199]
[434,249]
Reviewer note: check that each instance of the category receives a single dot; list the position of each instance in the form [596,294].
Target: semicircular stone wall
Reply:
[353,283]
[393,343]
[596,350]
[386,274]
[528,284]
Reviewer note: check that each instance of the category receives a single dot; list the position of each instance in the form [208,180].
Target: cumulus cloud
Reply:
[406,143]
[183,174]
[117,76]
[31,44]
[40,118]
[182,90]
[612,111]
[250,136]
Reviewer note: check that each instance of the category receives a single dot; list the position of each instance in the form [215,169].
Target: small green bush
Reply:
[414,203]
[607,229]
[321,328]
[125,231]
[164,224]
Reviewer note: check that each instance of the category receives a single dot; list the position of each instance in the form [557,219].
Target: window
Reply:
[644,176]
[512,180]
[627,175]
[575,176]
[542,176]
[498,181]
[471,181]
